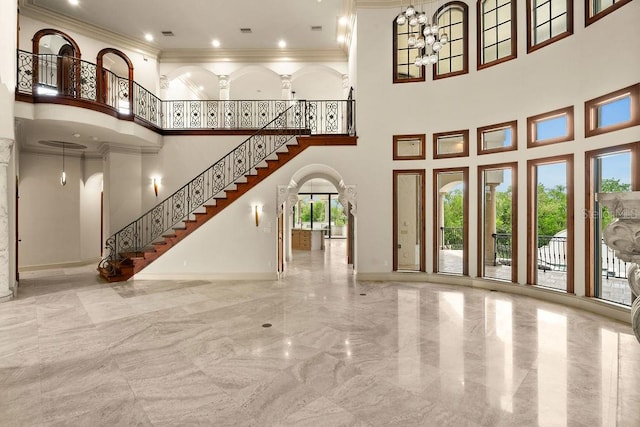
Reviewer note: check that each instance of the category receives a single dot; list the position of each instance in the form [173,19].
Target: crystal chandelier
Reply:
[431,40]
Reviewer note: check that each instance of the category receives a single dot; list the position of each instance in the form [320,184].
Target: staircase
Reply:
[162,227]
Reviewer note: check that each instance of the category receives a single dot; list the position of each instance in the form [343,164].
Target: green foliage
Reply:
[453,217]
[338,216]
[318,211]
[503,211]
[551,210]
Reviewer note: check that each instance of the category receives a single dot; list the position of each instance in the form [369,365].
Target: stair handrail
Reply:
[143,231]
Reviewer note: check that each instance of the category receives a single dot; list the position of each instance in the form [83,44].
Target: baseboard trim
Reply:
[613,311]
[205,276]
[38,267]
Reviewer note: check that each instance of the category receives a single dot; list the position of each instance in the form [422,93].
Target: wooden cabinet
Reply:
[306,240]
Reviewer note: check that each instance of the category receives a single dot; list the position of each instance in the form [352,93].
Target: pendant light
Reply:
[63,176]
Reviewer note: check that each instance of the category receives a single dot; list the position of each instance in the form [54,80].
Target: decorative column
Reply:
[286,87]
[223,83]
[225,109]
[6,293]
[623,236]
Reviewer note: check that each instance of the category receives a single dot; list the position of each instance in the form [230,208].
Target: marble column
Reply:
[6,293]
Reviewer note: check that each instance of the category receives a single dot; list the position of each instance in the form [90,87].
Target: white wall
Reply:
[145,65]
[49,223]
[568,72]
[230,245]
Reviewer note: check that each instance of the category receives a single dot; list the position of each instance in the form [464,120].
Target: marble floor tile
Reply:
[76,351]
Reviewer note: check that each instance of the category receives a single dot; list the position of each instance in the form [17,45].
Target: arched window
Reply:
[596,9]
[114,77]
[496,32]
[56,63]
[453,58]
[548,21]
[404,55]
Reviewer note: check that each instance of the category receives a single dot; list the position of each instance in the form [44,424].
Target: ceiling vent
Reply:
[316,28]
[168,33]
[245,30]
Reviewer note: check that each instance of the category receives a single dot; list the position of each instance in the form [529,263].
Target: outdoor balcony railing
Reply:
[64,79]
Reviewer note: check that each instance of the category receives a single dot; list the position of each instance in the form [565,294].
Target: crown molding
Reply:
[385,4]
[252,55]
[118,147]
[27,8]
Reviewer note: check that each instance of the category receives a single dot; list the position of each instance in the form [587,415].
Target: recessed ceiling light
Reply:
[188,74]
[148,37]
[201,87]
[74,2]
[215,43]
[341,38]
[282,44]
[343,20]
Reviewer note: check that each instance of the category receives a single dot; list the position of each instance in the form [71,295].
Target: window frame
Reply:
[514,216]
[480,33]
[465,40]
[396,79]
[590,158]
[422,210]
[465,144]
[465,223]
[513,125]
[590,18]
[533,120]
[531,47]
[421,137]
[532,247]
[591,106]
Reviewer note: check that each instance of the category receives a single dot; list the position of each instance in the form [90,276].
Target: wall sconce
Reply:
[257,210]
[156,185]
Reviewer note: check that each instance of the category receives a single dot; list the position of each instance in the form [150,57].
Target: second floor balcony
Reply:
[46,78]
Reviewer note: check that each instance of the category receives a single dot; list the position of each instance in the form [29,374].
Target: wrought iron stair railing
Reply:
[139,235]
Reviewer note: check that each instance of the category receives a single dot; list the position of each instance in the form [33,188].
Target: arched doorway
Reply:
[56,67]
[114,77]
[317,212]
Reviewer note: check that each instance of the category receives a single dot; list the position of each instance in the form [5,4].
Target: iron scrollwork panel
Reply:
[246,114]
[229,114]
[88,81]
[195,113]
[196,189]
[212,114]
[25,72]
[179,202]
[332,118]
[178,114]
[239,161]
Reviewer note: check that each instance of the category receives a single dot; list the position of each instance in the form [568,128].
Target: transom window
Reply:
[614,111]
[496,31]
[550,128]
[452,58]
[451,144]
[498,137]
[596,9]
[548,21]
[404,56]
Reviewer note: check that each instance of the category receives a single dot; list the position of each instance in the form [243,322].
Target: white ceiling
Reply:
[196,23]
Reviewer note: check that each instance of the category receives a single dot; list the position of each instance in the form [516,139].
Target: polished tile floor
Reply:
[74,351]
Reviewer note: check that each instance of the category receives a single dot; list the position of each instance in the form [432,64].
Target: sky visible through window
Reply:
[618,167]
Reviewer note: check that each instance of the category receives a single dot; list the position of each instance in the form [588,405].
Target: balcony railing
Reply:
[65,79]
